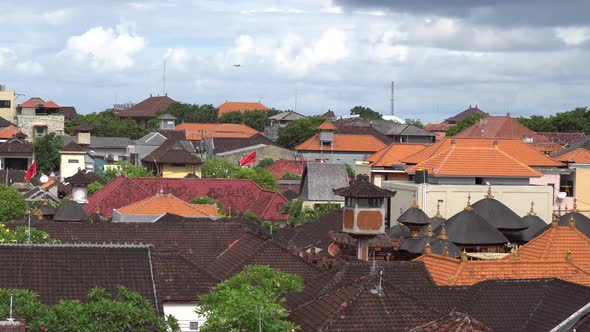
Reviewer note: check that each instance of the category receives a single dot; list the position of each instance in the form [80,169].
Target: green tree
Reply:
[13,205]
[236,304]
[21,235]
[415,122]
[296,132]
[194,113]
[349,170]
[47,152]
[261,176]
[465,123]
[290,176]
[94,187]
[125,311]
[106,124]
[232,117]
[217,168]
[250,214]
[255,119]
[298,215]
[126,169]
[365,113]
[264,163]
[207,200]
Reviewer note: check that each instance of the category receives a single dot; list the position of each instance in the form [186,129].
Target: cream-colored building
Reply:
[71,159]
[7,104]
[453,198]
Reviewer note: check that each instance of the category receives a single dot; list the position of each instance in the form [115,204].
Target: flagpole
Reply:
[29,231]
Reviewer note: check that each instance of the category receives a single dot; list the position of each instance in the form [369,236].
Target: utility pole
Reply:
[164,79]
[392,90]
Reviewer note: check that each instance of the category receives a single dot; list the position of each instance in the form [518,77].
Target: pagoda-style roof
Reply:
[434,244]
[80,178]
[46,209]
[414,216]
[498,215]
[535,227]
[469,228]
[582,222]
[70,211]
[435,222]
[398,231]
[361,187]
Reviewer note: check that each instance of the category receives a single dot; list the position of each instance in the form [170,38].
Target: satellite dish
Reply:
[333,249]
[44,178]
[561,195]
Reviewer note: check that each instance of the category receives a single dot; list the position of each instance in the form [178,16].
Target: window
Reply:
[193,326]
[72,161]
[348,202]
[4,103]
[178,165]
[375,202]
[39,131]
[478,180]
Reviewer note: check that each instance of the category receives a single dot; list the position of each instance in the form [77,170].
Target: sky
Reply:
[506,56]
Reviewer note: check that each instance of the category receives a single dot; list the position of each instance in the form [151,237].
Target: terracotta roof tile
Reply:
[160,204]
[500,127]
[394,153]
[327,125]
[438,126]
[564,138]
[233,106]
[8,132]
[462,115]
[454,322]
[196,131]
[579,156]
[147,108]
[38,102]
[282,166]
[361,186]
[516,148]
[491,161]
[547,148]
[352,143]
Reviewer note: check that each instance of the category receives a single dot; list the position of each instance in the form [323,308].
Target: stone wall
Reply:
[54,123]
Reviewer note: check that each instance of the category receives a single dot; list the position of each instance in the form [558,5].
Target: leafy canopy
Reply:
[255,295]
[221,168]
[125,169]
[365,113]
[299,215]
[296,132]
[207,200]
[195,113]
[125,311]
[94,187]
[232,117]
[21,235]
[576,120]
[47,152]
[106,124]
[465,123]
[13,205]
[415,122]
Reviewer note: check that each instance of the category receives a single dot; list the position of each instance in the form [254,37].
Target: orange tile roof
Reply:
[196,131]
[554,242]
[160,204]
[393,154]
[327,125]
[233,106]
[579,155]
[48,184]
[344,143]
[500,127]
[438,126]
[446,271]
[547,148]
[514,147]
[8,132]
[472,161]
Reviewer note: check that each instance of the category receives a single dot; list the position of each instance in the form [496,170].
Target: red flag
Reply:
[31,171]
[248,159]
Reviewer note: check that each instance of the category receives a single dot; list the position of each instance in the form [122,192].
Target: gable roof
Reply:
[361,187]
[16,145]
[196,131]
[225,144]
[343,143]
[147,108]
[386,127]
[319,180]
[5,123]
[282,166]
[500,127]
[160,204]
[287,116]
[393,154]
[69,271]
[175,152]
[72,147]
[37,102]
[8,132]
[468,161]
[236,195]
[69,112]
[315,233]
[462,115]
[357,130]
[70,210]
[577,156]
[233,106]
[327,125]
[516,148]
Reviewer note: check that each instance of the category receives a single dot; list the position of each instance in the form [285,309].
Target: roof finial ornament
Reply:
[568,256]
[514,253]
[575,208]
[532,211]
[572,221]
[554,221]
[429,233]
[443,233]
[414,203]
[445,251]
[464,255]
[438,215]
[468,207]
[427,249]
[489,194]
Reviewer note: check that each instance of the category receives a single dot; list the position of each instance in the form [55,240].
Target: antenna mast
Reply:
[164,79]
[392,89]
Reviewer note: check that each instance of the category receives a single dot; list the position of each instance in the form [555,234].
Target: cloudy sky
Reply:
[517,56]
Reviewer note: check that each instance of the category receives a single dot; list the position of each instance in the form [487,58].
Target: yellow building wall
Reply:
[582,193]
[171,171]
[8,113]
[70,163]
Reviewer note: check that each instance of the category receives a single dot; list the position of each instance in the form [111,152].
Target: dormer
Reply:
[83,133]
[327,133]
[167,122]
[365,207]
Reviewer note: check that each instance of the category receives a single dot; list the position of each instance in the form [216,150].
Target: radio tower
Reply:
[392,109]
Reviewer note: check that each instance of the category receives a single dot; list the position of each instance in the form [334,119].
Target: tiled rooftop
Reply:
[233,106]
[198,131]
[160,204]
[343,143]
[393,154]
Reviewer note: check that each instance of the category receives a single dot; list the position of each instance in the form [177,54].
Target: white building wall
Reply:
[185,314]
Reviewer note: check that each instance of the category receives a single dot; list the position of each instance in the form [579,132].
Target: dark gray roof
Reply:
[5,123]
[102,142]
[166,116]
[70,211]
[152,139]
[435,221]
[287,116]
[535,225]
[582,222]
[469,228]
[409,130]
[397,231]
[386,127]
[437,246]
[319,180]
[498,214]
[414,216]
[361,187]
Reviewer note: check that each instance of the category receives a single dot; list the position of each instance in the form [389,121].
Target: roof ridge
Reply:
[518,161]
[541,300]
[349,299]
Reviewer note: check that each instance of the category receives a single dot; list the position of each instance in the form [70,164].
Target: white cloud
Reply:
[273,10]
[105,49]
[178,58]
[6,55]
[29,68]
[573,35]
[56,17]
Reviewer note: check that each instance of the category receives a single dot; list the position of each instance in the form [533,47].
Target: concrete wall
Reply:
[54,123]
[310,204]
[184,313]
[336,157]
[262,151]
[172,171]
[453,198]
[8,113]
[582,185]
[471,180]
[68,168]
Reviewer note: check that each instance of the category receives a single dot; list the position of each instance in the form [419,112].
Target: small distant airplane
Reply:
[236,65]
